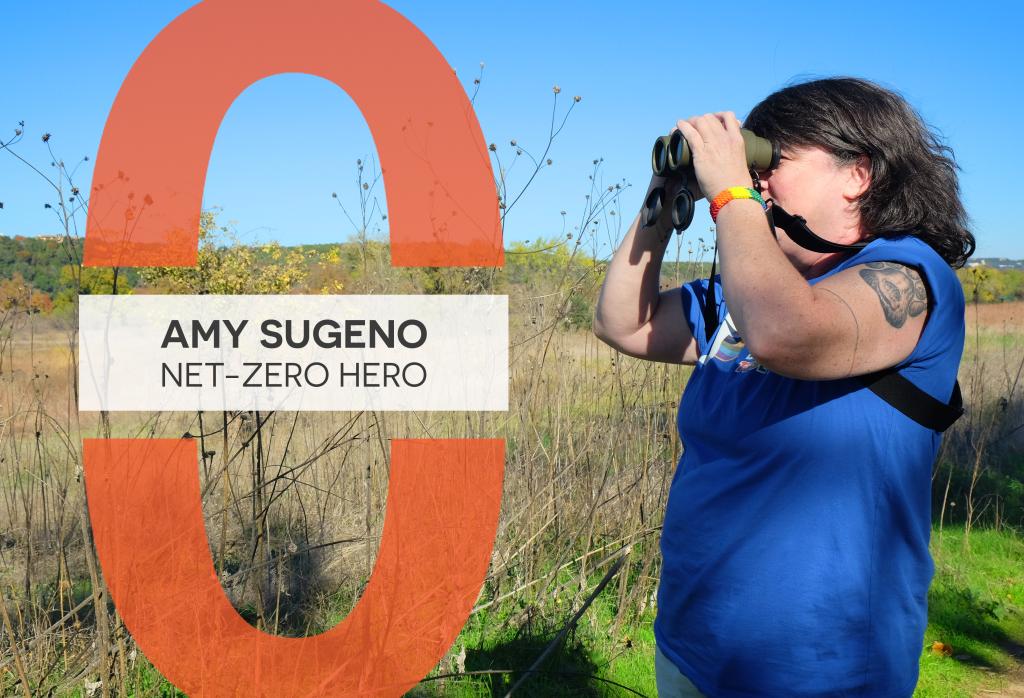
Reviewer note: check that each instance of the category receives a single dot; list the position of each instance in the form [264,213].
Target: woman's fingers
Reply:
[716,144]
[706,123]
[731,123]
[692,136]
[706,129]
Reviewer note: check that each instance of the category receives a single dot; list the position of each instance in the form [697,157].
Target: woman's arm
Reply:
[633,315]
[860,320]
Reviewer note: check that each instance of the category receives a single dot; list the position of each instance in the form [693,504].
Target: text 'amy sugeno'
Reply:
[298,334]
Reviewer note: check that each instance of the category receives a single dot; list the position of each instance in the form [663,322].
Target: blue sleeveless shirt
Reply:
[795,542]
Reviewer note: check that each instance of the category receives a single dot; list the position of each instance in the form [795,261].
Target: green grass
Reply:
[988,340]
[976,606]
[582,666]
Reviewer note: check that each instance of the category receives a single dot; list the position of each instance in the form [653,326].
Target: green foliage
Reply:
[543,259]
[998,489]
[989,285]
[581,312]
[38,260]
[17,295]
[226,266]
[557,270]
[49,272]
[88,281]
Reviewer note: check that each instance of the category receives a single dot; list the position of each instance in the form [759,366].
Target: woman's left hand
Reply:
[717,151]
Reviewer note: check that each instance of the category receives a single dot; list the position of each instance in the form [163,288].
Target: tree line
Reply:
[44,274]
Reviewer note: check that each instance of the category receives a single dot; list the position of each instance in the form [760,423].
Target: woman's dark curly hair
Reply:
[914,187]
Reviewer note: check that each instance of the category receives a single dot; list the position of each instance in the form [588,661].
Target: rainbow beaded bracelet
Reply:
[731,194]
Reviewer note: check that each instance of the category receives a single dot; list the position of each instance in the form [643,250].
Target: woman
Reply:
[795,541]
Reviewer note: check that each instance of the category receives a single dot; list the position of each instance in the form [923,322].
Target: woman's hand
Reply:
[717,151]
[671,187]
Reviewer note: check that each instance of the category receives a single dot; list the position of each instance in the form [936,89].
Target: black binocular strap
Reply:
[709,308]
[917,404]
[796,228]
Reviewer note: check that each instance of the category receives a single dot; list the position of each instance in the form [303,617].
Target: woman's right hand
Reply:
[671,186]
[664,222]
[691,183]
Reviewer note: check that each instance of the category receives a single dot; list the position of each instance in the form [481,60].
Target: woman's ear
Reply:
[858,178]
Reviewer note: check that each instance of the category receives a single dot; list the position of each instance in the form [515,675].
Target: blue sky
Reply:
[290,141]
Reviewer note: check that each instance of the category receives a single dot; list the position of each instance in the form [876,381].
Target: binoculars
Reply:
[670,157]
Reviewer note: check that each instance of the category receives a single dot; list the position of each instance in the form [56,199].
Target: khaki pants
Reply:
[671,682]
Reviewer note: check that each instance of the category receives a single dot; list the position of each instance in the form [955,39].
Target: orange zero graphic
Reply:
[144,495]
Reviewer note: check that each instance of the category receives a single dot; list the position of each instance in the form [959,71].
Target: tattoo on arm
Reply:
[899,288]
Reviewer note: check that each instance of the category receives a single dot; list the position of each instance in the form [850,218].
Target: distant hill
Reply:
[38,259]
[996,262]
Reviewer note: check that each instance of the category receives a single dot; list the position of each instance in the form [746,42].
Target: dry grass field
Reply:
[996,316]
[294,502]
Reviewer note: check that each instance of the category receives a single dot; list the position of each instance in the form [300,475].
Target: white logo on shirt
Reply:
[727,345]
